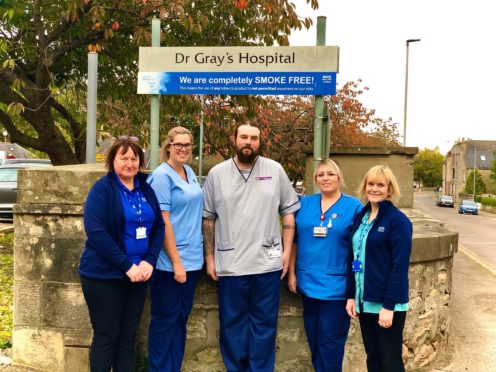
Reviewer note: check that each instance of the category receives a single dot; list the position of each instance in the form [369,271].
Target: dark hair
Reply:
[248,123]
[123,144]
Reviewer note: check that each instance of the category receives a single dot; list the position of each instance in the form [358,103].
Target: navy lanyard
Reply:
[138,210]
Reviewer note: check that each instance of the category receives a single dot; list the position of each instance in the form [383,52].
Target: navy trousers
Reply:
[115,308]
[248,310]
[383,345]
[327,325]
[171,304]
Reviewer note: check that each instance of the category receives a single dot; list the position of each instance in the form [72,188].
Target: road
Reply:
[473,298]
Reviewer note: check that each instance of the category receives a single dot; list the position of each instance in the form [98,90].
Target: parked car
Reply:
[445,201]
[8,185]
[27,161]
[468,206]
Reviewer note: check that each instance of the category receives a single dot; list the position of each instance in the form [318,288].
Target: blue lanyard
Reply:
[138,210]
[365,228]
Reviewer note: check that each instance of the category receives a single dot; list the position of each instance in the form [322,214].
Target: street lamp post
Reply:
[5,133]
[406,89]
[475,167]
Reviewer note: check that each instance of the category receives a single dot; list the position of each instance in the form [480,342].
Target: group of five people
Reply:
[345,259]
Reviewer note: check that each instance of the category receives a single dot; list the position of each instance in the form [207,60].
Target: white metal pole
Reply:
[406,88]
[475,167]
[154,105]
[91,108]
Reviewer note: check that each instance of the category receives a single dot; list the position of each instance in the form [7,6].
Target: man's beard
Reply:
[246,158]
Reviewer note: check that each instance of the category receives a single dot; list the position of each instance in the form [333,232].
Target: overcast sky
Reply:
[452,79]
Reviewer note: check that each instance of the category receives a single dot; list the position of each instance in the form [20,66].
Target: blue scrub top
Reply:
[322,263]
[137,213]
[184,200]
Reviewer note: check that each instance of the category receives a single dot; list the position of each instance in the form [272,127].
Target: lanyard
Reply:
[131,202]
[365,228]
[322,214]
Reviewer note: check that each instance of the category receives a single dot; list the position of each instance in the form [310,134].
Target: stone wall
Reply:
[356,161]
[51,325]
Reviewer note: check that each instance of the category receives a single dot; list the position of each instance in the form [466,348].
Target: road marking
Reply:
[486,265]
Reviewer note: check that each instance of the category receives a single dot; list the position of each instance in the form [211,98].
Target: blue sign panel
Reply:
[234,83]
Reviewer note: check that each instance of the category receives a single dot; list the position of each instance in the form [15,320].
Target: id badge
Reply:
[141,233]
[320,231]
[356,266]
[274,251]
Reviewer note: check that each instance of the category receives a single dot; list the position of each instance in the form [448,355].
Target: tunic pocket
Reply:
[272,248]
[224,256]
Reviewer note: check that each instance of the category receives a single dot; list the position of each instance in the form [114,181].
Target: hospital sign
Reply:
[238,70]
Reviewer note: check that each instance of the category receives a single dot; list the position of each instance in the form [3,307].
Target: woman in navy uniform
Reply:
[125,234]
[378,291]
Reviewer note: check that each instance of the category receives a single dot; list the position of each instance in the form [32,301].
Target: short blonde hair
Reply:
[332,164]
[373,174]
[165,149]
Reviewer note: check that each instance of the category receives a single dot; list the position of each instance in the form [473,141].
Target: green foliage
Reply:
[491,201]
[6,289]
[493,168]
[480,187]
[428,167]
[43,46]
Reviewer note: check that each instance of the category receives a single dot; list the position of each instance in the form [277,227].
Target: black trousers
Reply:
[115,308]
[383,345]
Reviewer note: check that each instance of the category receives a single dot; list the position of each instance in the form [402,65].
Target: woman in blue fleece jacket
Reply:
[125,233]
[378,282]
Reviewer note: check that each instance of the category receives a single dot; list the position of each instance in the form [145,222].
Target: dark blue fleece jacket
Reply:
[387,257]
[104,256]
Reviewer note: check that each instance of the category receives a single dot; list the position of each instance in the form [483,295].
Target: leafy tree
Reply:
[480,187]
[493,168]
[43,46]
[287,126]
[428,167]
[355,125]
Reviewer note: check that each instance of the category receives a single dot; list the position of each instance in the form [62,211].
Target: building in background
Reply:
[462,159]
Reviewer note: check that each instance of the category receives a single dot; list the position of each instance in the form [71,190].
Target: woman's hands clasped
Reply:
[141,272]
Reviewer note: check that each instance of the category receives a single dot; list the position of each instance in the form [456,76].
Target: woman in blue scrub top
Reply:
[125,233]
[180,262]
[319,265]
[378,292]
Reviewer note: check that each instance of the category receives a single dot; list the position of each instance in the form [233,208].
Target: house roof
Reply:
[483,152]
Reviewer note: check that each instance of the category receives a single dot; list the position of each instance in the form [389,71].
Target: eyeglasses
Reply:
[130,138]
[180,146]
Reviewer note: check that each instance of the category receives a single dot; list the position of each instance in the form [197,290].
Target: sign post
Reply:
[155,104]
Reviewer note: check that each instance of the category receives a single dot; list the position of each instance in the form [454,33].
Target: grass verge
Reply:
[6,289]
